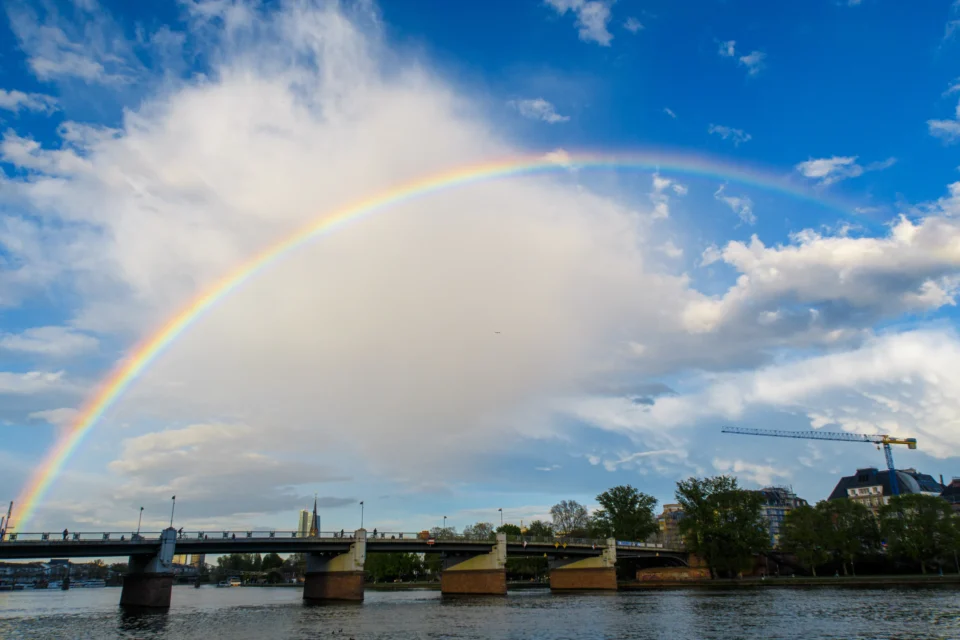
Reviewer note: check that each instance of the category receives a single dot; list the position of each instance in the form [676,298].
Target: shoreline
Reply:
[806,581]
[747,583]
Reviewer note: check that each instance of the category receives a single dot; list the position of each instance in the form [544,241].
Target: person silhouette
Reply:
[65,532]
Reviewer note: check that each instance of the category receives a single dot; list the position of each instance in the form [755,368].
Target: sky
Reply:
[786,255]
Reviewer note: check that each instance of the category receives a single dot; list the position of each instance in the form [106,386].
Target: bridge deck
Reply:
[100,544]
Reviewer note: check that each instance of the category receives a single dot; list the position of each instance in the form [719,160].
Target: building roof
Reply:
[908,480]
[952,491]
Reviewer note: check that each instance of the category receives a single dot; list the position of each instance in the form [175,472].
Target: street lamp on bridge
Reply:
[361,514]
[501,516]
[140,519]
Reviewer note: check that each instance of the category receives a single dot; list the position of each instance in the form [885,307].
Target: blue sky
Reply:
[148,150]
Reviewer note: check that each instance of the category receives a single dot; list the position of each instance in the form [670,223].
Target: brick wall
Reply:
[146,590]
[583,579]
[478,582]
[673,574]
[333,585]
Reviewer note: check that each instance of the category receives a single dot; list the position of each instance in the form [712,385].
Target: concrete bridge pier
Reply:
[149,579]
[586,574]
[337,577]
[484,574]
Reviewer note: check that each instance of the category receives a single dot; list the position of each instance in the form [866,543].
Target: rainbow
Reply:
[149,349]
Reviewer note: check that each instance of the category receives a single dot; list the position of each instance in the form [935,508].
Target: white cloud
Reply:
[728,48]
[89,47]
[48,341]
[912,269]
[558,156]
[660,198]
[593,17]
[209,171]
[29,383]
[670,112]
[947,130]
[538,109]
[671,250]
[18,100]
[61,418]
[633,25]
[753,61]
[761,474]
[740,205]
[836,168]
[728,133]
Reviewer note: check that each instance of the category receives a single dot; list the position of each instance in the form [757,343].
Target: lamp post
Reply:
[361,514]
[139,520]
[443,529]
[501,516]
[172,508]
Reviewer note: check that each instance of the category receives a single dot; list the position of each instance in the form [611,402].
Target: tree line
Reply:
[721,523]
[908,531]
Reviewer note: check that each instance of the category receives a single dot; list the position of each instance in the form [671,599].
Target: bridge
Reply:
[470,565]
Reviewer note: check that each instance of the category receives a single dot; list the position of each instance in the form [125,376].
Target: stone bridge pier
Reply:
[484,574]
[149,579]
[337,577]
[583,574]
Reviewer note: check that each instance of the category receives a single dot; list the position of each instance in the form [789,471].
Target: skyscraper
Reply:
[303,528]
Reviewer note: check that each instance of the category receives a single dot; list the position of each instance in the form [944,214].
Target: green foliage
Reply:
[539,529]
[441,532]
[570,519]
[270,562]
[722,523]
[627,514]
[802,536]
[919,528]
[849,531]
[480,530]
[387,567]
[509,529]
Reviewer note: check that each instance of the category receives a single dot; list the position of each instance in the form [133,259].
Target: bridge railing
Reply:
[81,536]
[154,536]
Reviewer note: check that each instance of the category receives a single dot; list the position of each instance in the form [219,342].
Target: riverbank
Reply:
[820,581]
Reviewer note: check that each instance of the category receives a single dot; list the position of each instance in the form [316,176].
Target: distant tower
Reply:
[303,528]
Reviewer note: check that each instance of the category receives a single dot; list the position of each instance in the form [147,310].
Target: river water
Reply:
[722,614]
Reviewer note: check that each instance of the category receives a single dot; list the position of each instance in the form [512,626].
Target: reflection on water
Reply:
[238,614]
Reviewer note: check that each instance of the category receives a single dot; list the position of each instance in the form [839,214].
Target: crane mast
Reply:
[841,436]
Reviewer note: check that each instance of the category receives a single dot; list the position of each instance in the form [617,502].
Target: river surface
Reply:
[722,614]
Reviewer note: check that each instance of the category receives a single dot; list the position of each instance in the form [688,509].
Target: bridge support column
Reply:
[476,575]
[337,577]
[149,579]
[586,574]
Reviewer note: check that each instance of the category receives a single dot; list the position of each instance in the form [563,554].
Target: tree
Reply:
[270,562]
[386,567]
[722,523]
[803,537]
[480,531]
[627,514]
[919,528]
[440,532]
[570,518]
[539,529]
[849,531]
[509,529]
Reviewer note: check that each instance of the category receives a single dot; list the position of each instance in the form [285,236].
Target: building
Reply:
[951,493]
[303,528]
[669,523]
[777,503]
[198,559]
[871,487]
